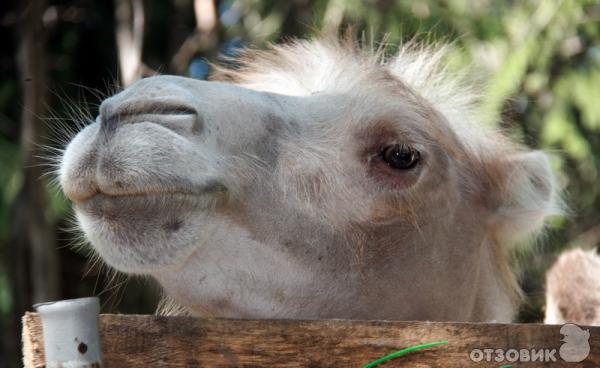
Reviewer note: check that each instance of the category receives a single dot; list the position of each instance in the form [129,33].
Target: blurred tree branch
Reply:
[129,15]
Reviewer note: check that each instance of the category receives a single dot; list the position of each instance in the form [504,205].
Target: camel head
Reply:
[311,180]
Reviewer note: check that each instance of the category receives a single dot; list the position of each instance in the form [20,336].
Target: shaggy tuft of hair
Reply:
[337,66]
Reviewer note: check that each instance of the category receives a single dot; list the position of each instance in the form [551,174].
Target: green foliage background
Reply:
[538,63]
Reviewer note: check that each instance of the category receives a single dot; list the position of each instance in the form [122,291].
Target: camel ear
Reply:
[527,196]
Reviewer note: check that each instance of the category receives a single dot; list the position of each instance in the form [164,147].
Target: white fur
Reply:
[267,196]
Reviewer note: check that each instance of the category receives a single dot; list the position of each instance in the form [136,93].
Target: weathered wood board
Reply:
[151,341]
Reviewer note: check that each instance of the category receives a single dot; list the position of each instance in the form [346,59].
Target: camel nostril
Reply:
[174,110]
[176,116]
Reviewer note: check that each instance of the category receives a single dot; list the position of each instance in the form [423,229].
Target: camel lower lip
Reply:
[138,226]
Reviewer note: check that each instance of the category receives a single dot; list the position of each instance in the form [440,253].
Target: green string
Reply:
[403,352]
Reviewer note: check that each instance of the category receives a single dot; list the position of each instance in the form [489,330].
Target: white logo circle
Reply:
[576,346]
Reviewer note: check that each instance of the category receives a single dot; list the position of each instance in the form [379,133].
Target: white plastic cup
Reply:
[71,337]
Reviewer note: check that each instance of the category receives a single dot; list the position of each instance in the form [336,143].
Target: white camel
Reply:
[573,288]
[315,179]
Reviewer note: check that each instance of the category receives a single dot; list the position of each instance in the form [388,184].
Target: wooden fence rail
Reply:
[151,341]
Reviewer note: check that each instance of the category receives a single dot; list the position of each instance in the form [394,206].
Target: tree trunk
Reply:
[129,15]
[34,266]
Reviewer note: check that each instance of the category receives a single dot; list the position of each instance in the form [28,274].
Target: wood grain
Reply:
[152,341]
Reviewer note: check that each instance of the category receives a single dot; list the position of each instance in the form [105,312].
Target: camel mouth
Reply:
[211,187]
[131,211]
[100,194]
[150,195]
[111,205]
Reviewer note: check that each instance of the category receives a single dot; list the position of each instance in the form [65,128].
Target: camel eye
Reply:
[400,156]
